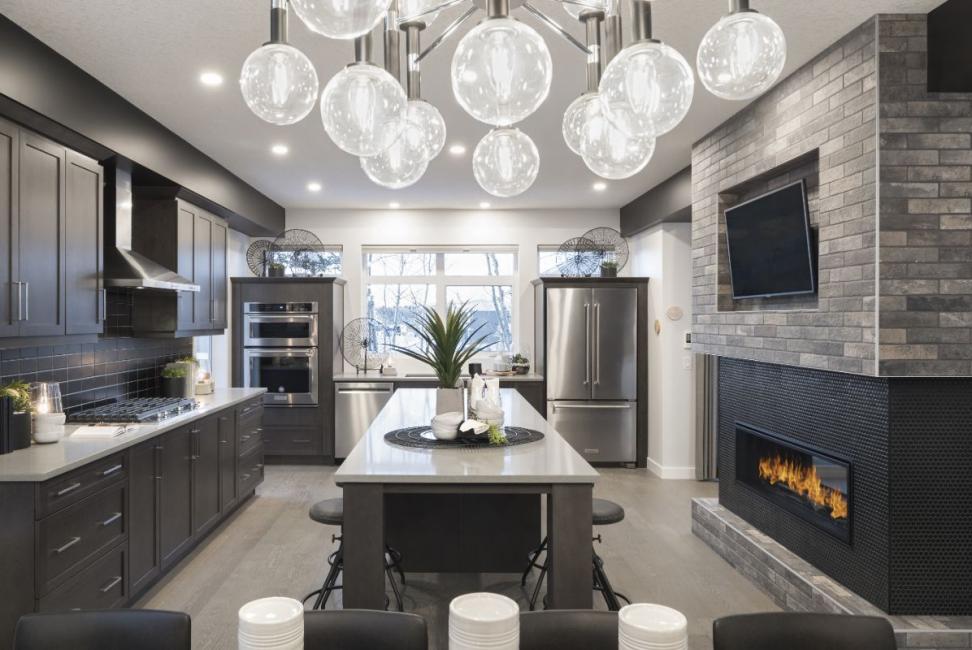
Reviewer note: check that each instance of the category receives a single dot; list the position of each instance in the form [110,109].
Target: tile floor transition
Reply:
[270,547]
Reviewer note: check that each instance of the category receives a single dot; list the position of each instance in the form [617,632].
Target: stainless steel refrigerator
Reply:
[591,359]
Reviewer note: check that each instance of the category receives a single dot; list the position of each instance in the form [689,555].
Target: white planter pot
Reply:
[448,400]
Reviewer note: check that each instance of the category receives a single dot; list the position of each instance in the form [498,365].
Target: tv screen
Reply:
[770,245]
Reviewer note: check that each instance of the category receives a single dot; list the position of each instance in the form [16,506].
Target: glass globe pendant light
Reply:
[363,107]
[506,162]
[743,54]
[425,123]
[342,19]
[396,167]
[611,153]
[278,82]
[414,11]
[501,71]
[647,88]
[587,106]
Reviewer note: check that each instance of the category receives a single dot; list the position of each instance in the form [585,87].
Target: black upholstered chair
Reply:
[800,631]
[116,629]
[567,629]
[358,629]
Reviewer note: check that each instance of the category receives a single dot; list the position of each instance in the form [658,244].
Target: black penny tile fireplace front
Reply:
[812,484]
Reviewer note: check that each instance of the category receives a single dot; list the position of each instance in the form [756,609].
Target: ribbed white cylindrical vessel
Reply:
[644,626]
[271,624]
[483,620]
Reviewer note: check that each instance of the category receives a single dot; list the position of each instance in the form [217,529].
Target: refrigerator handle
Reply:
[597,343]
[587,344]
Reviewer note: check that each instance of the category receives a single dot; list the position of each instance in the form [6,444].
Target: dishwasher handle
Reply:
[366,391]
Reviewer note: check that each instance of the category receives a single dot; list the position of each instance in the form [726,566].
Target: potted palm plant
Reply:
[448,345]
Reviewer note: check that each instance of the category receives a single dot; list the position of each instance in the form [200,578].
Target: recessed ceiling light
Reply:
[457,149]
[484,205]
[280,149]
[314,186]
[394,205]
[211,79]
[600,186]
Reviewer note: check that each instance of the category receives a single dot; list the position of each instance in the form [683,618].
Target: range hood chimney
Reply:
[124,267]
[949,48]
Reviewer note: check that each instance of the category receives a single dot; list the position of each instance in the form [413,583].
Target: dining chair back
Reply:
[802,631]
[569,629]
[358,629]
[116,629]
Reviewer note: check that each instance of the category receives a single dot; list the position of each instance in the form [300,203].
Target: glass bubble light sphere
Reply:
[501,71]
[742,56]
[363,109]
[609,152]
[279,84]
[576,117]
[342,19]
[647,89]
[396,167]
[506,162]
[426,128]
[410,8]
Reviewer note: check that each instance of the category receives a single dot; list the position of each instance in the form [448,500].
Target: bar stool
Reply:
[331,513]
[604,513]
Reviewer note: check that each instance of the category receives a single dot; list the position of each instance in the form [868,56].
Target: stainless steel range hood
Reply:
[125,267]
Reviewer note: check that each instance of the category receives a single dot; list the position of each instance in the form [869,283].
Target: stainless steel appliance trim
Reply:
[310,341]
[289,308]
[599,431]
[597,344]
[593,406]
[356,404]
[587,344]
[284,399]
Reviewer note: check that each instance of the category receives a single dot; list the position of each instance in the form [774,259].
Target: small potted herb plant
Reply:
[446,347]
[521,365]
[276,270]
[16,424]
[175,377]
[609,269]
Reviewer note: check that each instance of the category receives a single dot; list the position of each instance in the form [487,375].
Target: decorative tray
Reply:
[423,438]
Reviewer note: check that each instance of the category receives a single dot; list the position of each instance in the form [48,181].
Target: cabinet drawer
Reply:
[293,441]
[100,586]
[68,539]
[249,409]
[251,471]
[250,435]
[64,490]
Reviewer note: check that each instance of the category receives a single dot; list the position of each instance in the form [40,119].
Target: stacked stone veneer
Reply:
[889,173]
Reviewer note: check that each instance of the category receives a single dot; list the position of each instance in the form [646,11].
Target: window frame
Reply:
[337,249]
[441,281]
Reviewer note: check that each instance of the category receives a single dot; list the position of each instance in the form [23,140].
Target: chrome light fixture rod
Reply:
[640,20]
[556,28]
[278,21]
[413,47]
[612,33]
[392,42]
[498,8]
[739,6]
[446,33]
[363,46]
[592,25]
[404,20]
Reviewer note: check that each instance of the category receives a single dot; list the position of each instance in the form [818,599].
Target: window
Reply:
[398,281]
[311,263]
[547,260]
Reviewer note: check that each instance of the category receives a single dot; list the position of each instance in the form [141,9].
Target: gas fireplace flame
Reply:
[804,481]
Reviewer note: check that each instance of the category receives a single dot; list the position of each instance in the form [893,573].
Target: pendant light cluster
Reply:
[501,74]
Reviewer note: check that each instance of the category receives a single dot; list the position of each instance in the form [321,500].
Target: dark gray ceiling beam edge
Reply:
[668,202]
[47,92]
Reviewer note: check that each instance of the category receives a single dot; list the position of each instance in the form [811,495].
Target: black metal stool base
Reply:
[601,583]
[393,561]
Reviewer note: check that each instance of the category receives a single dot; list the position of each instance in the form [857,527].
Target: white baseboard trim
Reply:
[673,473]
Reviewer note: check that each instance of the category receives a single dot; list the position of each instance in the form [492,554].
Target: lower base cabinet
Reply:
[99,536]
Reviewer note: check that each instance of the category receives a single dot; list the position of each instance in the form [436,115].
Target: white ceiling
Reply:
[152,53]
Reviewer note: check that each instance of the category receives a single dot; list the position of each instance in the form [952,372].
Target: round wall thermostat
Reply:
[674,313]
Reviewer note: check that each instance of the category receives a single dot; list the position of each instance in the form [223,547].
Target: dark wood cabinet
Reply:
[205,474]
[9,253]
[84,257]
[144,558]
[41,235]
[227,461]
[175,510]
[51,230]
[190,240]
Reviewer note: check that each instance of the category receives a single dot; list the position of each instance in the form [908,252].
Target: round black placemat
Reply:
[422,438]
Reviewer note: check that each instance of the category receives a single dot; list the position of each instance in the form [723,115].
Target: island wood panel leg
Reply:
[570,582]
[364,546]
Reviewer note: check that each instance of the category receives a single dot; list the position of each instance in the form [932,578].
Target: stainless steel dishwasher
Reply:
[356,404]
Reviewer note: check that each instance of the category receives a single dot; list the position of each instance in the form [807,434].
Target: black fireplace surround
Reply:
[898,449]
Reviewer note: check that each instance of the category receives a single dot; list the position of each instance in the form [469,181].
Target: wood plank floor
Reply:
[271,548]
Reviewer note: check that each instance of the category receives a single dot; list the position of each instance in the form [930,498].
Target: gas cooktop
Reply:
[139,409]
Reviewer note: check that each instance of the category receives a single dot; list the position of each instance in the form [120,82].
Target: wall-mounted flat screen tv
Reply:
[771,246]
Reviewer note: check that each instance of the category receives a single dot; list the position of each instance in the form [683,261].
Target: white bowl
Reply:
[271,617]
[646,625]
[484,615]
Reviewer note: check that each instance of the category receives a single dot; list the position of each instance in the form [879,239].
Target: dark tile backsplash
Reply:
[89,373]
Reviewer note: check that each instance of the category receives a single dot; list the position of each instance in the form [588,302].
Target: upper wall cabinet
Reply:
[187,239]
[50,237]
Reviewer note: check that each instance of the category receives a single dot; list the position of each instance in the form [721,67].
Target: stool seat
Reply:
[606,512]
[331,512]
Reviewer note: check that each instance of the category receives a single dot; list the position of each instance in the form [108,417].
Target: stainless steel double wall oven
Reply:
[280,351]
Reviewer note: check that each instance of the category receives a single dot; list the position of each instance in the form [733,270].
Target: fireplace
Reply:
[810,483]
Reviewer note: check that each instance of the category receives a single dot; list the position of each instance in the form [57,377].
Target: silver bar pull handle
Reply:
[112,519]
[67,490]
[104,305]
[597,343]
[111,470]
[111,584]
[26,300]
[587,344]
[71,542]
[593,407]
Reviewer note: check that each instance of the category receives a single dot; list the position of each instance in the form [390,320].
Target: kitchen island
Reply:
[475,510]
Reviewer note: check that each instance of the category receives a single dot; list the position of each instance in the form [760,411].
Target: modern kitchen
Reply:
[635,324]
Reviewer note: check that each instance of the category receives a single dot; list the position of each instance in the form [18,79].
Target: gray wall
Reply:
[820,124]
[926,227]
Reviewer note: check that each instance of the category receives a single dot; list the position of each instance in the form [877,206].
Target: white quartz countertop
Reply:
[406,378]
[42,462]
[373,460]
